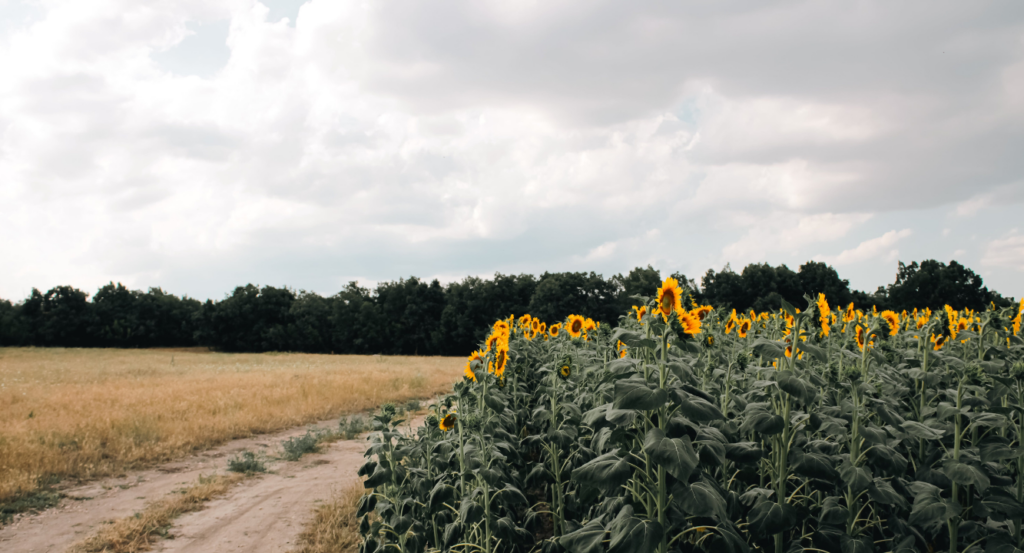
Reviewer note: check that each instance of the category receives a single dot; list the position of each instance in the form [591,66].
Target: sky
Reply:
[197,145]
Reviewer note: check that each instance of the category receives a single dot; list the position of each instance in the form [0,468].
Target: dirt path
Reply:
[262,514]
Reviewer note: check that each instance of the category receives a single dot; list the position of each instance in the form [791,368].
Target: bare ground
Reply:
[265,513]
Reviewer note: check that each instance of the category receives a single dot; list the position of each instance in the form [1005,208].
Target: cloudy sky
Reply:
[201,144]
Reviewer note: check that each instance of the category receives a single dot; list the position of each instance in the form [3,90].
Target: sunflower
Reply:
[703,311]
[823,313]
[565,370]
[860,338]
[501,327]
[670,298]
[525,320]
[621,347]
[849,315]
[589,324]
[640,312]
[744,328]
[543,328]
[575,325]
[475,356]
[689,322]
[729,325]
[553,330]
[500,360]
[893,320]
[448,422]
[938,342]
[535,325]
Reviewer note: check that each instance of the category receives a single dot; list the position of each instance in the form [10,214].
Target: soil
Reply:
[264,513]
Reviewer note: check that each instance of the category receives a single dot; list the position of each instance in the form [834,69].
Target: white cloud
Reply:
[1007,252]
[867,250]
[369,140]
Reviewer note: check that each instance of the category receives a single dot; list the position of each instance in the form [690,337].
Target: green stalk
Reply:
[662,500]
[954,523]
[558,509]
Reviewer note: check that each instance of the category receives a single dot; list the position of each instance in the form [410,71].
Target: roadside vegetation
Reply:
[838,427]
[85,413]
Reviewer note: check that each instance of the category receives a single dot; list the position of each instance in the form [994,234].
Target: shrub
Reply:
[247,462]
[295,448]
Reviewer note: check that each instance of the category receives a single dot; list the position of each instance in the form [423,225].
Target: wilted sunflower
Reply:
[893,320]
[565,370]
[670,298]
[575,325]
[744,328]
[689,322]
[448,422]
[553,330]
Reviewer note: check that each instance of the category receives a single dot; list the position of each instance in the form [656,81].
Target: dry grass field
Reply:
[82,413]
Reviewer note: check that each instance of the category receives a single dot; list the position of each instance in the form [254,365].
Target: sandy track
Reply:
[263,513]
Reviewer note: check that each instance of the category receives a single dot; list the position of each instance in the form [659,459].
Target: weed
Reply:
[31,502]
[295,448]
[247,462]
[351,427]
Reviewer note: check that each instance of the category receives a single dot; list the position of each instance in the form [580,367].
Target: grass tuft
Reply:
[247,463]
[295,448]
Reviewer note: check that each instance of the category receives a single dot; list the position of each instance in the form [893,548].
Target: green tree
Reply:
[560,294]
[934,284]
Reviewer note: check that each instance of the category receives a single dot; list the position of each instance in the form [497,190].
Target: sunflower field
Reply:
[685,428]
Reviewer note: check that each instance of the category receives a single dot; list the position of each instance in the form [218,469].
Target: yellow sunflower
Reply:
[475,356]
[689,322]
[729,325]
[893,320]
[525,320]
[938,342]
[448,422]
[861,332]
[565,371]
[670,298]
[744,328]
[500,360]
[575,325]
[640,312]
[589,324]
[703,311]
[553,330]
[849,315]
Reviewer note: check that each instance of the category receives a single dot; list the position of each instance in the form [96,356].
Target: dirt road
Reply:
[262,514]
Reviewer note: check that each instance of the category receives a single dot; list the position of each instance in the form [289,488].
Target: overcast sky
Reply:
[199,145]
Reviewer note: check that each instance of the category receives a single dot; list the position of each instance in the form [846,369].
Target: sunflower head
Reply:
[670,298]
[703,311]
[729,325]
[475,356]
[525,320]
[575,325]
[850,314]
[689,322]
[640,312]
[938,342]
[744,328]
[893,320]
[565,370]
[589,324]
[448,422]
[535,325]
[823,309]
[860,337]
[500,360]
[553,330]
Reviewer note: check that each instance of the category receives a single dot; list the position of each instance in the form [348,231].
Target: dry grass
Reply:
[334,528]
[83,413]
[137,533]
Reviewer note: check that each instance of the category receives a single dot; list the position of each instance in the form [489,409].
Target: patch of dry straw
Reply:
[83,413]
[334,527]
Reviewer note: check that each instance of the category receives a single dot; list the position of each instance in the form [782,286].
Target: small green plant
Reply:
[247,463]
[295,448]
[351,427]
[412,405]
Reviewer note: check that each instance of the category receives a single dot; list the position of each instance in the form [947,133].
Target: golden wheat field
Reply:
[81,413]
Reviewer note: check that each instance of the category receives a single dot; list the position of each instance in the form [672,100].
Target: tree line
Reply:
[415,317]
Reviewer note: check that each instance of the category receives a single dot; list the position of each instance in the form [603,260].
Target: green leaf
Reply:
[441,494]
[632,339]
[452,534]
[930,510]
[815,465]
[495,404]
[607,472]
[697,409]
[857,478]
[965,474]
[703,500]
[832,513]
[470,511]
[860,544]
[769,349]
[794,386]
[634,393]
[585,540]
[883,492]
[764,423]
[919,430]
[817,353]
[380,476]
[675,454]
[743,452]
[630,534]
[768,517]
[998,452]
[1000,503]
